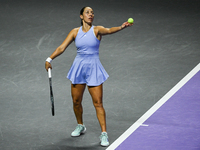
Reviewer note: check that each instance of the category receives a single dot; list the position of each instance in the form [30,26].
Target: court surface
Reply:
[172,123]
[144,62]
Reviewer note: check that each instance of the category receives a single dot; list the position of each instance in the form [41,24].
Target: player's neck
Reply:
[86,27]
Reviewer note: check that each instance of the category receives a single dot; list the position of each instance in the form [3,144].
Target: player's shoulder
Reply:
[74,32]
[75,29]
[98,27]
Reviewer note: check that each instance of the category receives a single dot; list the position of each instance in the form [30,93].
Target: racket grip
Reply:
[49,72]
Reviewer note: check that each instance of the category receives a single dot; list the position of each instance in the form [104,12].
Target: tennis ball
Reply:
[130,20]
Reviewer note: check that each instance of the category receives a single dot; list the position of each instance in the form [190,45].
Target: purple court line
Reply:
[175,125]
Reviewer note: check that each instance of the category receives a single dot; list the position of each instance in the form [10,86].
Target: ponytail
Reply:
[81,13]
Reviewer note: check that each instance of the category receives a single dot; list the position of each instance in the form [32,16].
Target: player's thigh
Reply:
[96,93]
[77,91]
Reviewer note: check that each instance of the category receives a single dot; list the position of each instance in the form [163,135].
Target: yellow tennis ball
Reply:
[130,20]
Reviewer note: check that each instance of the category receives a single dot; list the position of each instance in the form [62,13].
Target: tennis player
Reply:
[87,69]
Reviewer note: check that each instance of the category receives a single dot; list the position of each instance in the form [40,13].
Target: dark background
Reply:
[144,62]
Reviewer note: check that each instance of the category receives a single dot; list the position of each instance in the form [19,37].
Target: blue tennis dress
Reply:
[87,68]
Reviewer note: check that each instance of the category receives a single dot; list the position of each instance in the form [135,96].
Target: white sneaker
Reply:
[104,139]
[79,130]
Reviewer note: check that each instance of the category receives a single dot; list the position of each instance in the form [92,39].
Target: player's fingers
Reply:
[124,25]
[47,66]
[130,24]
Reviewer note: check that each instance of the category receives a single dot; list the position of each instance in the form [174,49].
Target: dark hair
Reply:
[81,13]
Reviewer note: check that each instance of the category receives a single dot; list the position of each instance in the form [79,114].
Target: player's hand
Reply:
[47,65]
[126,24]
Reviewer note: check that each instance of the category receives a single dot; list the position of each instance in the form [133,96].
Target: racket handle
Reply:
[49,72]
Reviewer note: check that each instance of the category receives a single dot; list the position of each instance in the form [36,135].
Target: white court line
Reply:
[153,109]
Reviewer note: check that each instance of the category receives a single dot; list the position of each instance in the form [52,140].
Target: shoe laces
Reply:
[78,127]
[104,137]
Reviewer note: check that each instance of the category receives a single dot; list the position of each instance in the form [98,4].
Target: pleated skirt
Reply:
[87,69]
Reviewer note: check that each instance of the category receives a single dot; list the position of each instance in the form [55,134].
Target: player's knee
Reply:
[76,101]
[98,104]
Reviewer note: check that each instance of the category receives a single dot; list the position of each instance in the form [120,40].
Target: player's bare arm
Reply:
[69,39]
[104,31]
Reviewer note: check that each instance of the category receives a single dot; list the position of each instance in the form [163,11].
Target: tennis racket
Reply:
[51,92]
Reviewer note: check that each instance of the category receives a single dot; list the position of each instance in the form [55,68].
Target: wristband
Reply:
[49,60]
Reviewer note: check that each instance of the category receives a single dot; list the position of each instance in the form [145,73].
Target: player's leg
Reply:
[77,91]
[97,97]
[96,93]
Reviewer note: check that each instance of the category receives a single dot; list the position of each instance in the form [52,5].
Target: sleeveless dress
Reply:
[87,68]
